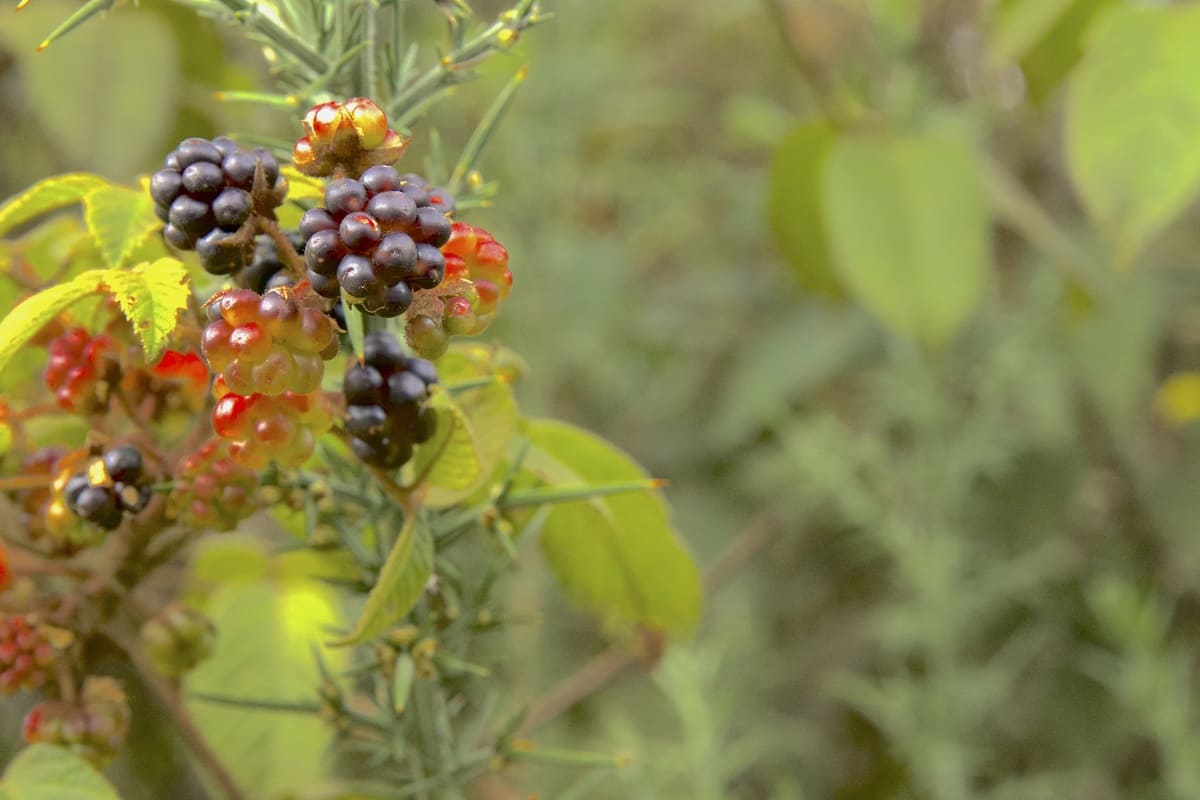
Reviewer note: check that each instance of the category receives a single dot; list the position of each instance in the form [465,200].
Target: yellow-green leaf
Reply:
[48,195]
[618,555]
[302,187]
[1133,122]
[266,633]
[19,326]
[794,205]
[908,227]
[151,296]
[491,413]
[450,459]
[399,585]
[47,772]
[119,219]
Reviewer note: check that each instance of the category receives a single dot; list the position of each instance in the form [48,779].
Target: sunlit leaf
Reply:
[119,219]
[151,297]
[20,325]
[46,772]
[48,195]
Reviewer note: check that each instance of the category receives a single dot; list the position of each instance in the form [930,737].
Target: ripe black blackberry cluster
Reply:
[386,412]
[268,271]
[206,192]
[377,240]
[110,486]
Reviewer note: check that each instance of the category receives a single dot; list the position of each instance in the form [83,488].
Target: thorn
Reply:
[659,483]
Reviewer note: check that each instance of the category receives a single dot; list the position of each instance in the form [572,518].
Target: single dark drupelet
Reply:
[205,193]
[386,402]
[110,486]
[377,239]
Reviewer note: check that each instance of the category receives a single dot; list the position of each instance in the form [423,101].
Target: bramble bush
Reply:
[290,333]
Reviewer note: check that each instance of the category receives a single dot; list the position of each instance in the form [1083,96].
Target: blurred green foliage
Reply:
[983,582]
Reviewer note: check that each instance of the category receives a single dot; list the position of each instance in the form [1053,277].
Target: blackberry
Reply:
[477,279]
[271,343]
[205,193]
[82,371]
[95,726]
[268,271]
[212,491]
[386,409]
[177,638]
[376,240]
[27,658]
[260,427]
[109,487]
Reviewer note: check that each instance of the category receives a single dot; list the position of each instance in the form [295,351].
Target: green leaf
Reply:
[1133,121]
[355,327]
[1051,60]
[618,555]
[266,632]
[151,296]
[48,195]
[450,459]
[908,227]
[1020,25]
[119,219]
[491,414]
[301,187]
[19,326]
[400,583]
[794,205]
[47,772]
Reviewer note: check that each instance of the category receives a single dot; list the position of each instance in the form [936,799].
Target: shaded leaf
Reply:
[450,459]
[491,413]
[908,227]
[618,555]
[46,772]
[119,219]
[400,582]
[794,205]
[48,195]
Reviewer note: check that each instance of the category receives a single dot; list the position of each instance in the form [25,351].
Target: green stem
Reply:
[278,35]
[570,494]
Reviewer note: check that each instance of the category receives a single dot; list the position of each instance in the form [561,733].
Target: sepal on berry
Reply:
[353,136]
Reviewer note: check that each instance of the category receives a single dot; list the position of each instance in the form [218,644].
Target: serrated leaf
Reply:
[301,187]
[151,296]
[794,205]
[491,413]
[47,772]
[908,228]
[1133,120]
[450,459]
[119,219]
[266,632]
[48,195]
[400,582]
[618,555]
[19,326]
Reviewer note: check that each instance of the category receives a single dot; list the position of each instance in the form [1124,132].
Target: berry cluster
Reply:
[108,487]
[268,344]
[206,192]
[352,135]
[83,370]
[477,280]
[94,727]
[268,271]
[177,638]
[376,240]
[386,412]
[262,427]
[212,491]
[26,656]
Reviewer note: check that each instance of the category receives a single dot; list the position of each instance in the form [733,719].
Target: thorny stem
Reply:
[604,668]
[283,245]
